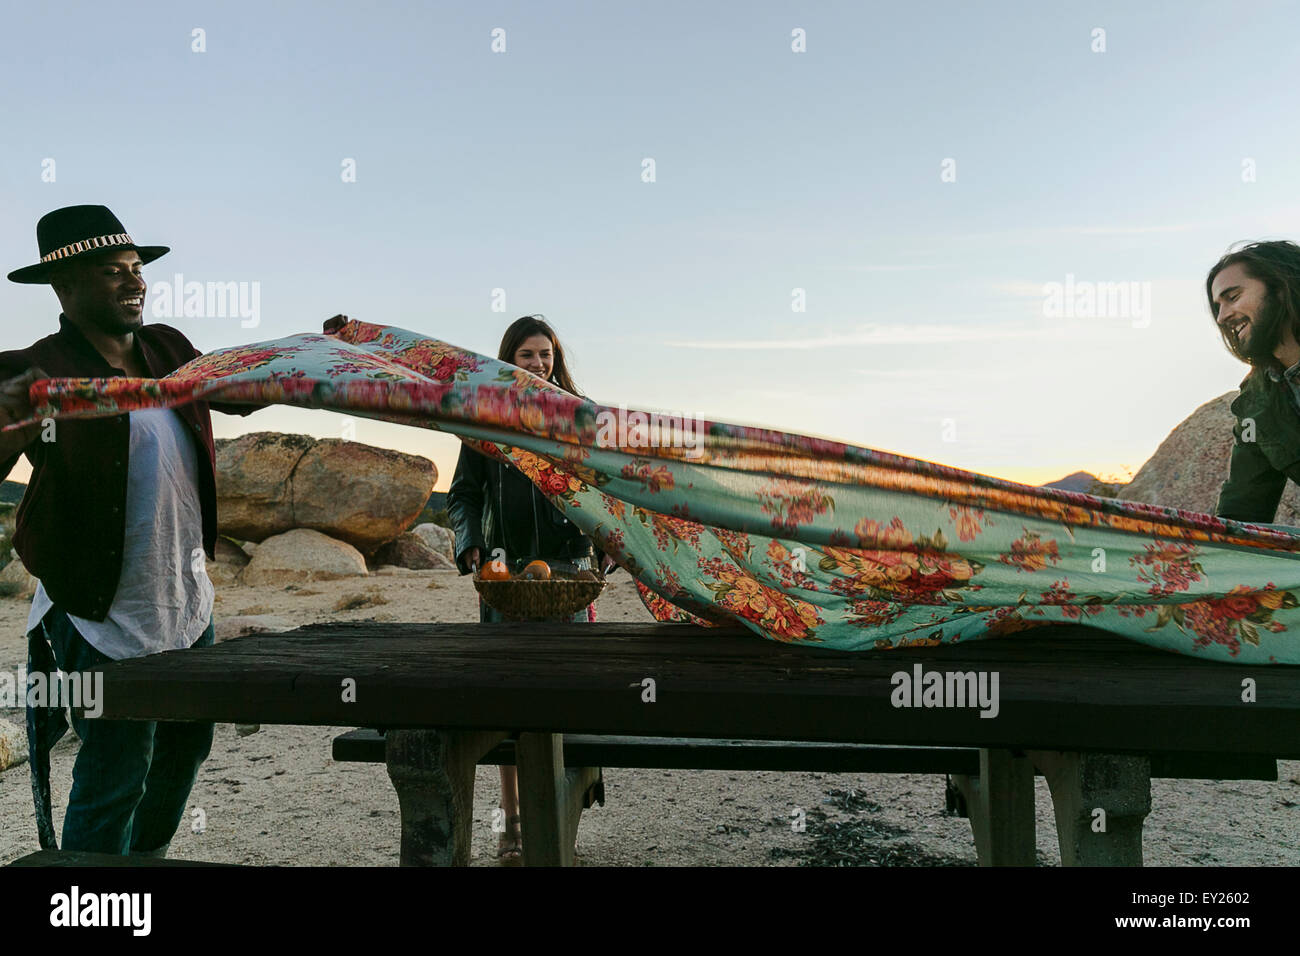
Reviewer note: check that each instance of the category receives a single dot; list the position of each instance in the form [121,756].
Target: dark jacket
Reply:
[1258,469]
[70,527]
[493,505]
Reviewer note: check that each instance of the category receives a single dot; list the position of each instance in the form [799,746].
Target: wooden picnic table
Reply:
[1086,707]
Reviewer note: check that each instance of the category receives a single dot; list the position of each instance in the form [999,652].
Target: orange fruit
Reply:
[494,571]
[536,571]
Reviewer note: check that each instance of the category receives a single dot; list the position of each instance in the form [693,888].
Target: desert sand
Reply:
[277,798]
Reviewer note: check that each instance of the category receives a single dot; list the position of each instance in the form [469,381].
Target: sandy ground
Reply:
[277,798]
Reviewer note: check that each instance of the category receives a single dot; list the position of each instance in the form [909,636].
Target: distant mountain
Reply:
[1079,481]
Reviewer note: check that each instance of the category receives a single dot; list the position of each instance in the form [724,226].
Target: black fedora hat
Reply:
[77,231]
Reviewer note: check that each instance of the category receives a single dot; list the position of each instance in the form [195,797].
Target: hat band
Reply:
[85,245]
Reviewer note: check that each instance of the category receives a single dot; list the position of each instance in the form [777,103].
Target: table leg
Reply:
[584,787]
[540,759]
[551,798]
[1000,804]
[1100,802]
[433,774]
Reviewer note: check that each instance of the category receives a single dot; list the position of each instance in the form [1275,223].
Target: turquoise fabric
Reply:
[802,539]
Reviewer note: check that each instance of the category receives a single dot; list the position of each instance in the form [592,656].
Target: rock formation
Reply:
[301,555]
[269,483]
[1190,465]
[410,551]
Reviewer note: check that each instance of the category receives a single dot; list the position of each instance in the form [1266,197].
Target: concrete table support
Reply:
[433,774]
[1100,802]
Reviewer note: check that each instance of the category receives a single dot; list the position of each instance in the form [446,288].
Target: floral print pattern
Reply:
[801,539]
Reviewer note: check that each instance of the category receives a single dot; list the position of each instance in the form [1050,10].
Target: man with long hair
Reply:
[1254,296]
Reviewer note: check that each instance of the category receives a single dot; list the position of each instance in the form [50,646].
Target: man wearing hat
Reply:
[115,524]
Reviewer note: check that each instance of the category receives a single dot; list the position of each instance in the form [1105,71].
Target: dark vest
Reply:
[70,527]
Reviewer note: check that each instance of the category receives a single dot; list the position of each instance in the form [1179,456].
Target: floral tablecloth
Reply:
[802,539]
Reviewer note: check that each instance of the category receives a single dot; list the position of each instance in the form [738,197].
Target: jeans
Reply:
[131,779]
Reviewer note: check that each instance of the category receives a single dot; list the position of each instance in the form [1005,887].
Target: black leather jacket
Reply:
[493,505]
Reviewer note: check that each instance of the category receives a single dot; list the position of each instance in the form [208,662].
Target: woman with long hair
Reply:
[495,510]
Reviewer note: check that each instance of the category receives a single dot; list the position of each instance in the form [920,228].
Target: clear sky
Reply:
[921,171]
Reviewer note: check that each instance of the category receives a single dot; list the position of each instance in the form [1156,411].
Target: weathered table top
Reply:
[1063,687]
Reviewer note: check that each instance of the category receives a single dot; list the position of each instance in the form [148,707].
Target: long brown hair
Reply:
[1275,263]
[526,327]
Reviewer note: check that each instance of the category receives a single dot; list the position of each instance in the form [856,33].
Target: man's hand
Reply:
[15,405]
[472,557]
[334,324]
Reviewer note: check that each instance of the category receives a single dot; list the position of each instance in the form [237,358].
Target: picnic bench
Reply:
[1098,715]
[366,745]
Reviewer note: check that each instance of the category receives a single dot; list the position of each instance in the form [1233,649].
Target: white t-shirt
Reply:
[164,598]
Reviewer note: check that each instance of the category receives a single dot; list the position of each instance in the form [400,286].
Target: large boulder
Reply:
[1191,465]
[440,539]
[268,483]
[409,551]
[302,555]
[254,494]
[358,493]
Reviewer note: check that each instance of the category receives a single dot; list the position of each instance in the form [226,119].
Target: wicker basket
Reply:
[559,597]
